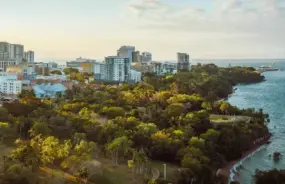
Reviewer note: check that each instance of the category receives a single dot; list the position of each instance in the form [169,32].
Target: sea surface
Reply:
[270,96]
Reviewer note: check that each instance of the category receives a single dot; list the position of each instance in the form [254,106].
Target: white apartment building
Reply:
[9,83]
[99,71]
[146,57]
[136,76]
[118,68]
[30,56]
[126,52]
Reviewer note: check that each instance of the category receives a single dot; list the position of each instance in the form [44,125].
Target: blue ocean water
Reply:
[270,96]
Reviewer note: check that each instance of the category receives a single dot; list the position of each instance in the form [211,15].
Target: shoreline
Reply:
[229,171]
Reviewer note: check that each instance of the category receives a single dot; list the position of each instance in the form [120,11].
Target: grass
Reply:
[214,118]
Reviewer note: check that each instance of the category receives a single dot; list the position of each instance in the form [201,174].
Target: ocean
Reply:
[270,96]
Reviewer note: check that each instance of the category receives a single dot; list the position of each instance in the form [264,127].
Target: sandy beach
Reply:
[225,172]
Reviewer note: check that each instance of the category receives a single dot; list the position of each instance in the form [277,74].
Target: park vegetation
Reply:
[163,118]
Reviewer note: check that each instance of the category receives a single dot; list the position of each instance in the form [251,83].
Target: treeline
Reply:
[164,118]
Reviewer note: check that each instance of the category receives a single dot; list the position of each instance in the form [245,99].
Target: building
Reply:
[18,51]
[169,68]
[99,71]
[25,71]
[49,90]
[9,83]
[60,78]
[183,62]
[136,76]
[4,64]
[4,51]
[146,57]
[136,57]
[157,68]
[126,52]
[118,68]
[30,56]
[11,51]
[82,64]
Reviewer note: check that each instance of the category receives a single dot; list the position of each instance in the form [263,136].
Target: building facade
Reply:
[82,64]
[4,64]
[30,56]
[9,83]
[4,51]
[11,51]
[183,60]
[136,76]
[136,57]
[99,71]
[126,52]
[118,68]
[146,57]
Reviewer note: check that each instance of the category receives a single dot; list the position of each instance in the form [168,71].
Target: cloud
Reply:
[227,16]
[236,24]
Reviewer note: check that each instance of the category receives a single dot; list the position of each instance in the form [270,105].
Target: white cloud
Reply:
[241,22]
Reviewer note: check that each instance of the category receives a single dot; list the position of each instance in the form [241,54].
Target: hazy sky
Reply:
[66,29]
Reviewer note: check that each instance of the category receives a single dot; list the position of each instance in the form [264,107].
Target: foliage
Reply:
[56,72]
[273,176]
[164,118]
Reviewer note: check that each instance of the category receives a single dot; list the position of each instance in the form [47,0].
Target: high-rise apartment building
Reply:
[11,51]
[118,68]
[99,71]
[19,51]
[136,57]
[30,56]
[126,52]
[183,62]
[4,50]
[146,57]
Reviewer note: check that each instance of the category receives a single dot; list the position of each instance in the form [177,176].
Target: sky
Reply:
[210,29]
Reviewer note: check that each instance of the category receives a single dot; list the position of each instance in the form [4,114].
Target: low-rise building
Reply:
[4,64]
[49,90]
[9,83]
[82,64]
[136,76]
[25,71]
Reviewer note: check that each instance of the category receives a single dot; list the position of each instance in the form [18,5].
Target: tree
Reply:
[56,72]
[3,129]
[273,176]
[26,93]
[225,107]
[174,110]
[119,147]
[82,175]
[40,128]
[78,137]
[68,71]
[113,112]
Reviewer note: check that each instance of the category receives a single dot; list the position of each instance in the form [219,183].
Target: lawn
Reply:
[214,118]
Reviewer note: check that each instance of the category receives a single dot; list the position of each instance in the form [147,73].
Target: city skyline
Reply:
[233,29]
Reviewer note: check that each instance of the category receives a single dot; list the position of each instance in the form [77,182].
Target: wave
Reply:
[235,169]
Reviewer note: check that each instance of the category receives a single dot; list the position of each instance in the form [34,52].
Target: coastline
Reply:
[230,171]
